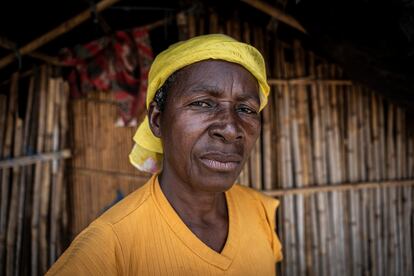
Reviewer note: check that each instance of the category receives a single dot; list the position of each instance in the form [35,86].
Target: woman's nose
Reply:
[226,128]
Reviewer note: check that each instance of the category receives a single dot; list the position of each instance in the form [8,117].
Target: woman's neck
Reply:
[193,205]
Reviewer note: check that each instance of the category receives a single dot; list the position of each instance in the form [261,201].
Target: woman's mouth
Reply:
[221,161]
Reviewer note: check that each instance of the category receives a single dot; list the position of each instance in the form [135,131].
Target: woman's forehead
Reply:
[217,76]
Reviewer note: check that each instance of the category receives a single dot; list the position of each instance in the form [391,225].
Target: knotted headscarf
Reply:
[147,152]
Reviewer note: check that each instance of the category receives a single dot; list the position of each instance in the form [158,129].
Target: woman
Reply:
[204,98]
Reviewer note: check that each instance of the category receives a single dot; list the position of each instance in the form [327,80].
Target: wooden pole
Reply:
[246,174]
[57,188]
[287,163]
[305,81]
[58,31]
[182,24]
[255,155]
[10,45]
[276,13]
[336,172]
[401,164]
[35,219]
[317,167]
[14,199]
[351,152]
[340,187]
[7,153]
[24,180]
[324,210]
[383,175]
[317,210]
[47,174]
[301,157]
[191,25]
[3,106]
[33,159]
[290,170]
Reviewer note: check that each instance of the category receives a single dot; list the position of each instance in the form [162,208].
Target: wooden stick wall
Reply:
[346,140]
[318,130]
[327,133]
[33,216]
[315,133]
[333,134]
[100,168]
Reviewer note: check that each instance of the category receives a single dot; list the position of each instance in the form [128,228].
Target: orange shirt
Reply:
[143,235]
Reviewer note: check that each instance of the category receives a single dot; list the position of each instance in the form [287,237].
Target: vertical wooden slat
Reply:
[401,165]
[46,175]
[3,113]
[291,265]
[7,153]
[38,178]
[55,190]
[255,156]
[353,177]
[304,152]
[25,179]
[382,173]
[14,198]
[323,208]
[318,228]
[376,194]
[392,197]
[214,28]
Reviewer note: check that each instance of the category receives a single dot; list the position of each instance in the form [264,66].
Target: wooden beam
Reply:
[309,81]
[111,174]
[10,45]
[101,20]
[29,160]
[276,13]
[48,59]
[63,28]
[339,187]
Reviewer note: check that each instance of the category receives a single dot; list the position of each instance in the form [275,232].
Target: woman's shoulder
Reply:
[258,204]
[128,206]
[254,196]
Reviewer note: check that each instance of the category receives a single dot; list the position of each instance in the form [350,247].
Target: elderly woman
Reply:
[204,98]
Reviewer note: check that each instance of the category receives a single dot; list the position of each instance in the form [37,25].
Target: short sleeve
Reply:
[94,251]
[270,205]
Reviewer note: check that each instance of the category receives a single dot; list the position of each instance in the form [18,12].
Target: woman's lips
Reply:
[222,162]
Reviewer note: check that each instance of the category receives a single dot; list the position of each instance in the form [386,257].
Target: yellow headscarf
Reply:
[146,155]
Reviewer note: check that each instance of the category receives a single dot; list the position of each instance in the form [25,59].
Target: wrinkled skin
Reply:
[208,127]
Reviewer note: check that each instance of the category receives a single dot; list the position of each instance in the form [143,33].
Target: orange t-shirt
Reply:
[143,235]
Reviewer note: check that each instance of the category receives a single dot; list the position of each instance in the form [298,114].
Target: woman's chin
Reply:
[216,183]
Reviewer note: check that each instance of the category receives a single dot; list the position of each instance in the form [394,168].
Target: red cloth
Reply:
[119,63]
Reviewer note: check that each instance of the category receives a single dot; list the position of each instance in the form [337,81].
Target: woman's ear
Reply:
[154,119]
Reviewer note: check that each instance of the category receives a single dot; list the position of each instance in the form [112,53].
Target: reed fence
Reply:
[338,156]
[33,146]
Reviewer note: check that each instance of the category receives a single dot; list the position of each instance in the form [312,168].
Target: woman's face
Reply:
[209,124]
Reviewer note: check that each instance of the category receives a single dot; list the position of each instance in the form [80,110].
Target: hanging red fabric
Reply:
[119,63]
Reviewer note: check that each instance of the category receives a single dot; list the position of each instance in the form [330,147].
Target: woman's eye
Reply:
[247,110]
[201,104]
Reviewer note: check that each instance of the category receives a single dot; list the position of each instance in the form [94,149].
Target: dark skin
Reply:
[208,128]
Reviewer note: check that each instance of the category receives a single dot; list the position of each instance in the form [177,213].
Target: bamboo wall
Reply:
[100,169]
[33,145]
[318,130]
[329,133]
[338,156]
